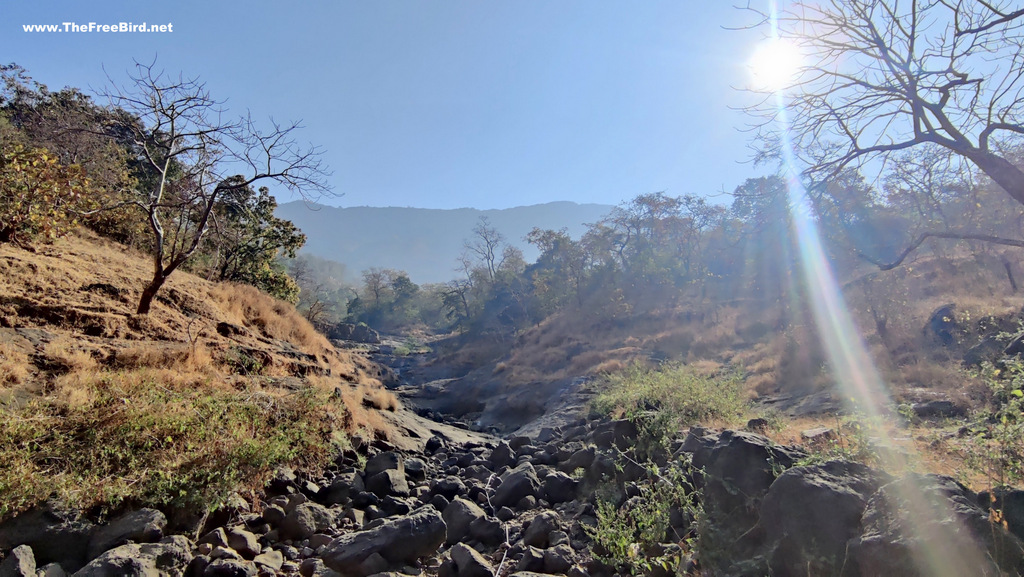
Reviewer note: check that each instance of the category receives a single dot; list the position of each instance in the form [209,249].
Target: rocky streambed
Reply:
[445,501]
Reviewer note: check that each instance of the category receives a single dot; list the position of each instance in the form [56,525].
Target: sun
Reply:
[774,64]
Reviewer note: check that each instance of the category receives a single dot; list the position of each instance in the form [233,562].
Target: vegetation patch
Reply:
[687,396]
[157,437]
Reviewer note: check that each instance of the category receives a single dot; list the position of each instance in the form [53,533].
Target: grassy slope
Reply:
[208,394]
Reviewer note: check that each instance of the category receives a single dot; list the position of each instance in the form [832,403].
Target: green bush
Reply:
[672,395]
[38,196]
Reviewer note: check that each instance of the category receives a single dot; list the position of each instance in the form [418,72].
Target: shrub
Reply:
[38,197]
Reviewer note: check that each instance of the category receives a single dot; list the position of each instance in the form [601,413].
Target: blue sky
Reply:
[446,104]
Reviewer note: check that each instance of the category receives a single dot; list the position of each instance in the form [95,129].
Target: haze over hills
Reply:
[425,243]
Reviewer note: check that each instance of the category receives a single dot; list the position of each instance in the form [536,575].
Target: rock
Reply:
[505,514]
[55,534]
[518,442]
[987,350]
[167,558]
[818,436]
[388,461]
[216,538]
[738,472]
[536,534]
[757,425]
[581,459]
[558,559]
[51,570]
[274,515]
[450,487]
[938,409]
[21,562]
[230,568]
[502,455]
[470,563]
[516,484]
[942,325]
[142,526]
[532,560]
[930,524]
[305,520]
[458,516]
[400,540]
[810,513]
[487,530]
[197,565]
[244,542]
[1010,506]
[416,469]
[389,482]
[358,333]
[273,559]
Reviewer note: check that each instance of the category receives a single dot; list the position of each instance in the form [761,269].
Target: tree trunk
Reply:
[150,292]
[1001,171]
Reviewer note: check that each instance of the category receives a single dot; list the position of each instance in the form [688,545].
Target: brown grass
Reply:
[87,354]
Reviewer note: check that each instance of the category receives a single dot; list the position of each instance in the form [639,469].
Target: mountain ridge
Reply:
[424,242]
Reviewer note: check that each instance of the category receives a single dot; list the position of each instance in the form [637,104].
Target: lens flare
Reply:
[943,553]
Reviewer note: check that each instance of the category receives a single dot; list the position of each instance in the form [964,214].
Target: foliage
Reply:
[632,538]
[676,394]
[996,446]
[39,198]
[246,240]
[139,438]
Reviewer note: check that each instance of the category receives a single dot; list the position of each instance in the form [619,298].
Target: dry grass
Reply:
[102,406]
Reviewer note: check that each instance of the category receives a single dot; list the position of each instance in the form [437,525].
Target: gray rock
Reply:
[388,461]
[273,559]
[51,570]
[216,538]
[274,515]
[244,542]
[935,519]
[305,520]
[470,563]
[532,560]
[581,459]
[230,568]
[558,559]
[502,455]
[536,534]
[487,530]
[810,513]
[515,485]
[142,526]
[450,487]
[55,534]
[559,488]
[388,482]
[416,469]
[458,516]
[401,540]
[168,558]
[938,409]
[21,562]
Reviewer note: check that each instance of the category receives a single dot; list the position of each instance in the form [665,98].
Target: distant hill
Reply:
[423,242]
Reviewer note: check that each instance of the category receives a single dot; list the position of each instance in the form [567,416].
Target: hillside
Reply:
[423,242]
[101,405]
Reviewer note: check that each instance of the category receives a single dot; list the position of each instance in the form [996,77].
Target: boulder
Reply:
[502,455]
[389,482]
[142,526]
[305,520]
[230,568]
[352,332]
[244,542]
[810,513]
[387,461]
[21,562]
[458,517]
[55,534]
[168,558]
[470,563]
[931,524]
[515,485]
[536,534]
[401,540]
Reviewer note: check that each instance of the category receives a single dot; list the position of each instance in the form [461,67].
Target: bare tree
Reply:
[487,245]
[192,157]
[882,76]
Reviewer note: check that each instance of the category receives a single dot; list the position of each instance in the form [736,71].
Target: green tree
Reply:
[39,198]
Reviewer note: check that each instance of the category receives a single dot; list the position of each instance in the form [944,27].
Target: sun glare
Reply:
[774,64]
